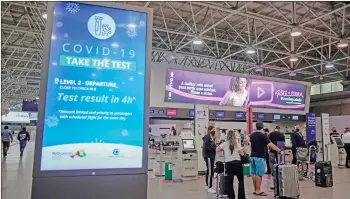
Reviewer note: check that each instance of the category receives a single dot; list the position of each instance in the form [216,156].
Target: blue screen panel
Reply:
[95,89]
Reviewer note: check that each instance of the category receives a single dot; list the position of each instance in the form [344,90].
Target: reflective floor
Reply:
[17,176]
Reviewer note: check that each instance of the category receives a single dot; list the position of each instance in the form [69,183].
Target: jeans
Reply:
[347,149]
[272,161]
[235,168]
[210,171]
[22,145]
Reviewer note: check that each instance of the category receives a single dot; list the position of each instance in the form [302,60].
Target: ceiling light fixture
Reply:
[250,50]
[292,73]
[44,15]
[342,43]
[321,77]
[293,58]
[197,41]
[259,69]
[295,31]
[329,65]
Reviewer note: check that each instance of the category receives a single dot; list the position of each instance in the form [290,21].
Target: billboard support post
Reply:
[94,88]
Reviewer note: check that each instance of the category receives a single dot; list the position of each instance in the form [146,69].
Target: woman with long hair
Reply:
[234,167]
[237,94]
[209,154]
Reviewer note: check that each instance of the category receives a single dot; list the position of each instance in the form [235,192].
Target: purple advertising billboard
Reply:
[204,88]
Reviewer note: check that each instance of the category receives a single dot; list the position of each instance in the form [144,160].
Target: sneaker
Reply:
[211,190]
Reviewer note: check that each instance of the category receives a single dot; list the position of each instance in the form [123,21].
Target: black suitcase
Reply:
[221,185]
[323,174]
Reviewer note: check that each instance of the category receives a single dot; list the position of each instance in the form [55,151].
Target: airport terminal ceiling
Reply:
[244,37]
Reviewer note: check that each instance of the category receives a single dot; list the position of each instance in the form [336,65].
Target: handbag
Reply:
[245,159]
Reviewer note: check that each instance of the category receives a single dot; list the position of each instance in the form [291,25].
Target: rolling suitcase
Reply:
[220,180]
[221,185]
[286,181]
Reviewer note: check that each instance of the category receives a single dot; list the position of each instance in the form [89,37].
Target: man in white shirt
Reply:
[346,140]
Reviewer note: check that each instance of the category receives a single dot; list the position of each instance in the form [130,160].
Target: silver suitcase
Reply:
[286,181]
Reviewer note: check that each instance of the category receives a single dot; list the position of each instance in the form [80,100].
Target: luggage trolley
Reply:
[311,163]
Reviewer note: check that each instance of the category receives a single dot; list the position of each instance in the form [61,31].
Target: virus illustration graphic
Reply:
[125,133]
[106,30]
[52,121]
[72,8]
[131,32]
[59,24]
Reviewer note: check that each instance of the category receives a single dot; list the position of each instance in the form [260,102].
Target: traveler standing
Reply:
[234,167]
[7,139]
[259,141]
[275,136]
[267,133]
[23,137]
[209,153]
[346,140]
[297,142]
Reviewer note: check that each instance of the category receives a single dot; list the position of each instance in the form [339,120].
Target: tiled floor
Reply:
[17,175]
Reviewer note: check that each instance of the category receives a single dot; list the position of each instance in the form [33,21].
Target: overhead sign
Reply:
[16,117]
[95,95]
[204,88]
[30,105]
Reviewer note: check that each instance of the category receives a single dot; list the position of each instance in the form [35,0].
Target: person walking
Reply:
[209,153]
[346,140]
[267,133]
[259,141]
[23,137]
[233,151]
[7,139]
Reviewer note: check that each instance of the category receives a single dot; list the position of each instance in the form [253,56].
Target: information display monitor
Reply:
[94,92]
[188,144]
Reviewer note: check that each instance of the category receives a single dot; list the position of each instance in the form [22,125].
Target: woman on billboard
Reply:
[237,95]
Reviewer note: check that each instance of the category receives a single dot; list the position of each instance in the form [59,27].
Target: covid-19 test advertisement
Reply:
[95,89]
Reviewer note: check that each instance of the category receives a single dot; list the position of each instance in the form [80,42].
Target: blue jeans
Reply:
[22,145]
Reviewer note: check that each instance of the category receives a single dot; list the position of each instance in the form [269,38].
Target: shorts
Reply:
[257,166]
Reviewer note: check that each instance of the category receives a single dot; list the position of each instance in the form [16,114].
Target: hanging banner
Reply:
[201,122]
[310,127]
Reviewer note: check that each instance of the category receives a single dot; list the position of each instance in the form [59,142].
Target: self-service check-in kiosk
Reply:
[288,154]
[337,151]
[189,155]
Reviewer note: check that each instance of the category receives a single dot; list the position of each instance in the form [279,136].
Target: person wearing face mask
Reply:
[209,153]
[333,133]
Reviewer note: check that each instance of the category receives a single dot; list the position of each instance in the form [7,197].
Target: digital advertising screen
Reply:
[95,95]
[191,113]
[204,88]
[295,117]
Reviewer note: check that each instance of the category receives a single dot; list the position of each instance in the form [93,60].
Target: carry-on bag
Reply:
[286,181]
[221,179]
[221,185]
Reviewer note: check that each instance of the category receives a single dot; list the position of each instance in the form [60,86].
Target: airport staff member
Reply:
[346,140]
